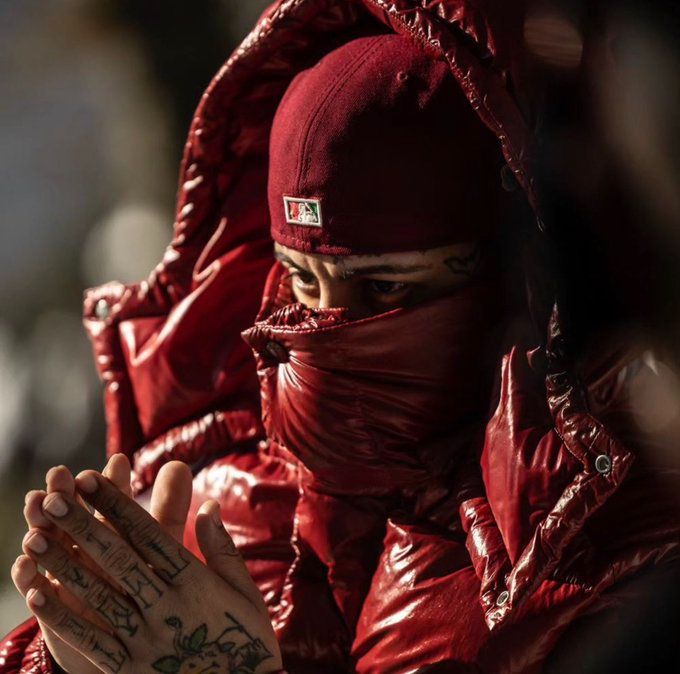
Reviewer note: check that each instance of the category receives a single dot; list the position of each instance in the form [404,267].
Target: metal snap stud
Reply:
[603,464]
[102,309]
[502,598]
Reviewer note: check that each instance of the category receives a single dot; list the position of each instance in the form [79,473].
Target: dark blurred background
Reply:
[96,97]
[95,102]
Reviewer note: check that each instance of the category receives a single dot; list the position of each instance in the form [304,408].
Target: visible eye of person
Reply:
[303,279]
[389,289]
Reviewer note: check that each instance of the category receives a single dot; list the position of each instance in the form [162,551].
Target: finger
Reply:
[93,591]
[170,560]
[37,520]
[106,548]
[118,471]
[171,498]
[104,651]
[24,572]
[59,478]
[221,555]
[35,517]
[25,576]
[33,509]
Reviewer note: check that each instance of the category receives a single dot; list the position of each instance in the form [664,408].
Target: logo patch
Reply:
[302,211]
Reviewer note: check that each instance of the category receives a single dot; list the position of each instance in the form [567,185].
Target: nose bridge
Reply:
[333,293]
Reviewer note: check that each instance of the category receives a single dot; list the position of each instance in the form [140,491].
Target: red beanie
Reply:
[375,149]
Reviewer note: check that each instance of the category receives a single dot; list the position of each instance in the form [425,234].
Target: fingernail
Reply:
[36,542]
[55,505]
[36,597]
[87,483]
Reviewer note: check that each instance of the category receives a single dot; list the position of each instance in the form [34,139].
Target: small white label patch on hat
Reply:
[302,211]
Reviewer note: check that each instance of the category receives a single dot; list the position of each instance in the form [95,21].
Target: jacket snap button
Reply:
[603,464]
[277,351]
[502,598]
[102,309]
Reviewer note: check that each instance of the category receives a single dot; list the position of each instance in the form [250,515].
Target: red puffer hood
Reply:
[361,402]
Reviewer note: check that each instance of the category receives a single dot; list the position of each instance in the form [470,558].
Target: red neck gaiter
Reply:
[363,404]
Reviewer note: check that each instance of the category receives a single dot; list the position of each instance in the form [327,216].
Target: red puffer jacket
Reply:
[478,550]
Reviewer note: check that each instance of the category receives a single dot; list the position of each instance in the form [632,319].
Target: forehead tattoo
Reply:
[465,264]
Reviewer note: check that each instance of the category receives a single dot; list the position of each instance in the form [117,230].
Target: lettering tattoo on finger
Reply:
[118,614]
[85,637]
[116,515]
[145,535]
[75,576]
[133,577]
[98,594]
[103,546]
[140,586]
[113,660]
[175,562]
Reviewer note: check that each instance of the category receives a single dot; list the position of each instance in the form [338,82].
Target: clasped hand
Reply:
[123,595]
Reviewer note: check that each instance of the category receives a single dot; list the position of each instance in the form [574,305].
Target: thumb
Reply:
[221,555]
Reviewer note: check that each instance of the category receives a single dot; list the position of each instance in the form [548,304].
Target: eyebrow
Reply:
[282,257]
[385,269]
[363,271]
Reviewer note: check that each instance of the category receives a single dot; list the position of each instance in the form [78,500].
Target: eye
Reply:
[378,287]
[303,279]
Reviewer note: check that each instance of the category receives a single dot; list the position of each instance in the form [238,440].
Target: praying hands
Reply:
[123,595]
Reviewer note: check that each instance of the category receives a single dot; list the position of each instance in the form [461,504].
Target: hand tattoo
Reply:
[174,561]
[85,637]
[234,651]
[139,585]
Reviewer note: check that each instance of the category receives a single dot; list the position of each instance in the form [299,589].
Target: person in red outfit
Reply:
[416,474]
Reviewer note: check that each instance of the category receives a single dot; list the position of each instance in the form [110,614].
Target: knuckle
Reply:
[58,562]
[78,522]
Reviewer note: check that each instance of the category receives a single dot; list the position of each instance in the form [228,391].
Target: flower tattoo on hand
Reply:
[234,650]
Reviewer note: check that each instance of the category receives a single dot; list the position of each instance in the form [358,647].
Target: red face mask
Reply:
[361,402]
